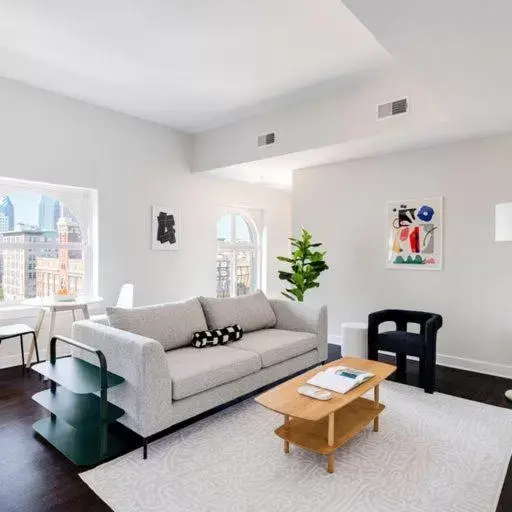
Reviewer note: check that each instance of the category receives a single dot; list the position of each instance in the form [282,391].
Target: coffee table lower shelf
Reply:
[314,435]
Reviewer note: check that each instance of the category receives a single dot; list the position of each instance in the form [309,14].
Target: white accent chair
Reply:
[124,300]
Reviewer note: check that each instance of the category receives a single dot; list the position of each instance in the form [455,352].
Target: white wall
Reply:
[344,206]
[133,164]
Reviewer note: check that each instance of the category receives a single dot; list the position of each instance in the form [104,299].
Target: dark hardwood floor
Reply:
[36,478]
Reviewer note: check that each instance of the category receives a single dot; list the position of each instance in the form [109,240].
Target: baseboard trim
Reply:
[460,363]
[334,339]
[475,365]
[12,360]
[15,359]
[470,365]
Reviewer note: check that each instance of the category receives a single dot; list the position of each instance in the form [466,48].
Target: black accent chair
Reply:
[403,343]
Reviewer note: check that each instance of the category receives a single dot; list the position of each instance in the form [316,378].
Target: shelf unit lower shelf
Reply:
[78,425]
[83,447]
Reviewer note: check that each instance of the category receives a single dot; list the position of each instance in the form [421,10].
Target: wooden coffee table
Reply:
[323,426]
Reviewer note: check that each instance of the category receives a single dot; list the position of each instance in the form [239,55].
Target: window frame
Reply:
[83,203]
[253,218]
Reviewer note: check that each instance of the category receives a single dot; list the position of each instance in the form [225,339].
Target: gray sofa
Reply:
[167,380]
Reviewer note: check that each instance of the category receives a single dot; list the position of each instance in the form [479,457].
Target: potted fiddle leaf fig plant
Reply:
[306,265]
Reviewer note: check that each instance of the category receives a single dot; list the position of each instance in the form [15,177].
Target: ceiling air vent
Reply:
[393,108]
[267,139]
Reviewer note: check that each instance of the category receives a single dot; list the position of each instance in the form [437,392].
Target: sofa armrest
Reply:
[294,316]
[146,394]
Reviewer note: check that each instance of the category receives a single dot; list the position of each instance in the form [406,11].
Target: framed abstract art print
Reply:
[415,234]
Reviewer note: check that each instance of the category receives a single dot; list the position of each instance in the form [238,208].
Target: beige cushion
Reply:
[251,312]
[193,370]
[276,345]
[172,324]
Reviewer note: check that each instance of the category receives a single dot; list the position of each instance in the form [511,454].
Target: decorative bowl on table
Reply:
[64,296]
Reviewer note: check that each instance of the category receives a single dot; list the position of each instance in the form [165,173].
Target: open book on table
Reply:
[340,379]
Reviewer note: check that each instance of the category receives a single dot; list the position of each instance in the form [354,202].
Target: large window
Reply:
[238,254]
[44,245]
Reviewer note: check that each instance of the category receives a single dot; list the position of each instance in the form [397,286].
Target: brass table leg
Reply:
[376,400]
[330,442]
[287,426]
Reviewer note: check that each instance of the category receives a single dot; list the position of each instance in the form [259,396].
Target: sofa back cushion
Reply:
[252,312]
[172,324]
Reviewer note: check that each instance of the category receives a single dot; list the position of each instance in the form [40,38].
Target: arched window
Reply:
[42,249]
[237,255]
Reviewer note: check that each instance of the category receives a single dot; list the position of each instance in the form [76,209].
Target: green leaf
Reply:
[285,276]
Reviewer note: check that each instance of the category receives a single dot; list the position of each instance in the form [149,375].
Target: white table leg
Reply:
[37,329]
[85,309]
[73,311]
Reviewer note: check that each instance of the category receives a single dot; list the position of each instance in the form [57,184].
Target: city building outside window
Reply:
[238,254]
[44,241]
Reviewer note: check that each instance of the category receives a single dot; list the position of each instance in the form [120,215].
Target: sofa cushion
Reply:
[172,324]
[277,345]
[193,371]
[251,312]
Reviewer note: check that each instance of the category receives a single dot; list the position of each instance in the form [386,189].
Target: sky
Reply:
[224,228]
[26,206]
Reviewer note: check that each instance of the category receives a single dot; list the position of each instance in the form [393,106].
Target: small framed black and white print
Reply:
[165,231]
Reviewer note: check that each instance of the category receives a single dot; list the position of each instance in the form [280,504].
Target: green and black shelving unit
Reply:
[79,420]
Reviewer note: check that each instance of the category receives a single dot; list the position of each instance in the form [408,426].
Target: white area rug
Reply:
[433,453]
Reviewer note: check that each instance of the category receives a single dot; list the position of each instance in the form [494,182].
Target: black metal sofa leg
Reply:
[145,448]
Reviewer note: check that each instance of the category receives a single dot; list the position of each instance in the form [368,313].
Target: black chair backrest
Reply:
[402,317]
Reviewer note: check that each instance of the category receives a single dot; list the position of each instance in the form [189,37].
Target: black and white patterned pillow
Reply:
[217,336]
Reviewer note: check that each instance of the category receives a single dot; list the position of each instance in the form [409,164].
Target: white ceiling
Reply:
[198,64]
[459,51]
[189,64]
